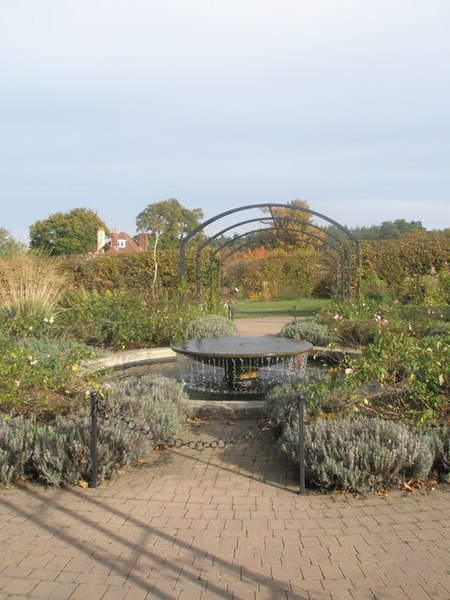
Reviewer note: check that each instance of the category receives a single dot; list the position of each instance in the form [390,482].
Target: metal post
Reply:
[94,476]
[301,443]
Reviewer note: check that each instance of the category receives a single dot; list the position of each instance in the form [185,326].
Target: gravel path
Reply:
[262,325]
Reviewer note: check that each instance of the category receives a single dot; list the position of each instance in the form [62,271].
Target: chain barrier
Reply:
[100,408]
[107,412]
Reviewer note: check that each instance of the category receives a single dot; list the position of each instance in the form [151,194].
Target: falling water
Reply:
[234,376]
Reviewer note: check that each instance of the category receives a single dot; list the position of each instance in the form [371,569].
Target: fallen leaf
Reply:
[407,487]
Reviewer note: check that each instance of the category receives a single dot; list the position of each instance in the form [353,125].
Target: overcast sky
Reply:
[116,104]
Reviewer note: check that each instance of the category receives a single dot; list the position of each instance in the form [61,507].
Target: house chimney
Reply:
[114,236]
[143,241]
[101,239]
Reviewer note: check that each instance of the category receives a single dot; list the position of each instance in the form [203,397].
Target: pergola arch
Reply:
[330,240]
[340,250]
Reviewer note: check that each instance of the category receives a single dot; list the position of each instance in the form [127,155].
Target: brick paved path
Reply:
[221,524]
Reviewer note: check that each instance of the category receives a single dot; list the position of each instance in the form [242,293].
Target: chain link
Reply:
[107,412]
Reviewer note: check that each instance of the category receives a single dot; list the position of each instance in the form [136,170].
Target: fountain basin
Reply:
[253,350]
[241,360]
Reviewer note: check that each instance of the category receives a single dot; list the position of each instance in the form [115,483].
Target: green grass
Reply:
[305,307]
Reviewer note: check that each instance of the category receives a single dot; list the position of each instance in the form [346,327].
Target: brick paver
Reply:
[226,524]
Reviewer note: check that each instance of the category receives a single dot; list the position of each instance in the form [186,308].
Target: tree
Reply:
[168,221]
[292,224]
[8,245]
[388,230]
[61,233]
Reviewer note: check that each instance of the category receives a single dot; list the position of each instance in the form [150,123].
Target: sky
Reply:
[116,104]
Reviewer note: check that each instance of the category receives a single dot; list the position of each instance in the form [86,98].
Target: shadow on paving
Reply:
[257,458]
[164,560]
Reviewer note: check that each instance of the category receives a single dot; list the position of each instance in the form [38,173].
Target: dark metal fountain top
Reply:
[242,347]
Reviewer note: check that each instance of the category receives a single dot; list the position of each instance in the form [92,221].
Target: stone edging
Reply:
[130,358]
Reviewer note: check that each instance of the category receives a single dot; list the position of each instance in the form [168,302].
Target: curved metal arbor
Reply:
[341,246]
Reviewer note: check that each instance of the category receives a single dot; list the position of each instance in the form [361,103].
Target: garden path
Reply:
[225,524]
[221,524]
[261,325]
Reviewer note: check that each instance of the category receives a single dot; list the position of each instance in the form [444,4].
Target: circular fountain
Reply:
[241,365]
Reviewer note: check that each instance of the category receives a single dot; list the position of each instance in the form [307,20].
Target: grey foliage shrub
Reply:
[360,454]
[323,392]
[16,446]
[154,400]
[48,458]
[59,452]
[440,439]
[117,446]
[76,430]
[280,401]
[210,326]
[313,332]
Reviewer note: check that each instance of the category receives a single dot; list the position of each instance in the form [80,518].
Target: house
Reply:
[120,243]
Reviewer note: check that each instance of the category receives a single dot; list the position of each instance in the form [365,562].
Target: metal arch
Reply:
[338,248]
[270,206]
[276,233]
[342,251]
[270,230]
[208,241]
[275,220]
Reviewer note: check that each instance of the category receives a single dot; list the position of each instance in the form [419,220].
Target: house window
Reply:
[121,243]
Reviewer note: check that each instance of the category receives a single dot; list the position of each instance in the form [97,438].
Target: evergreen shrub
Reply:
[356,333]
[210,326]
[322,389]
[42,375]
[152,399]
[121,320]
[360,454]
[441,444]
[16,446]
[315,333]
[58,452]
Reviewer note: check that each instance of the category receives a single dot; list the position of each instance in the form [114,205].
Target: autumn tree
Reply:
[61,233]
[293,224]
[168,221]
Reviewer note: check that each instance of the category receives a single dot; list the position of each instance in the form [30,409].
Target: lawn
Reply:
[300,307]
